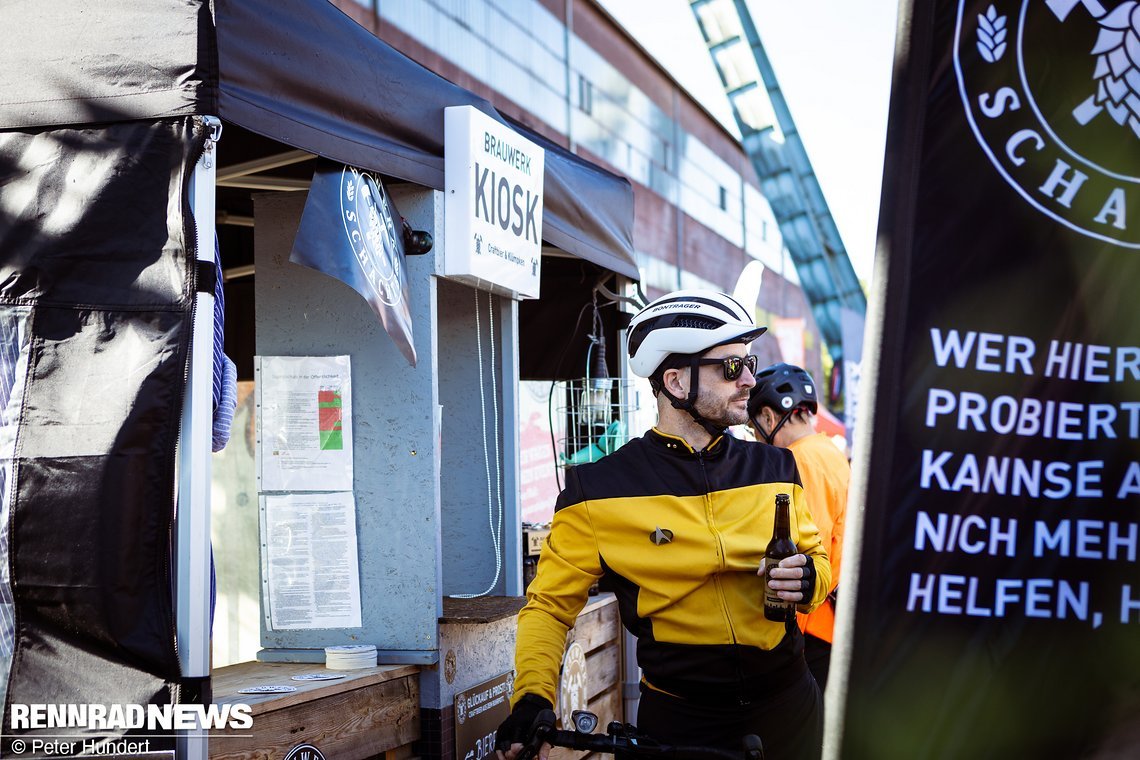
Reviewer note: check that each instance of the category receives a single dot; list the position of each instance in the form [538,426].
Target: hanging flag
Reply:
[997,612]
[350,230]
[95,317]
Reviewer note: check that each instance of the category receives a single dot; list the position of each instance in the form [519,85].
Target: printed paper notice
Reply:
[311,569]
[305,423]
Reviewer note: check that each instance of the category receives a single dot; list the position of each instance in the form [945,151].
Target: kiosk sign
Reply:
[493,206]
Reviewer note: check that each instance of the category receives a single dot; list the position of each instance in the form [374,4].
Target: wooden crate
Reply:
[372,712]
[598,631]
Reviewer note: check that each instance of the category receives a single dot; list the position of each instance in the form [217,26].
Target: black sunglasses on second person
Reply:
[733,365]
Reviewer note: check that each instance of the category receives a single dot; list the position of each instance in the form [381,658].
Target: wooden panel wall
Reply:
[598,632]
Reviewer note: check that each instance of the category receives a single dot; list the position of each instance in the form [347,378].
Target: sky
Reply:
[833,61]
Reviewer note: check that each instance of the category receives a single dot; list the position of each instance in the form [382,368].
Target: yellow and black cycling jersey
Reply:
[678,536]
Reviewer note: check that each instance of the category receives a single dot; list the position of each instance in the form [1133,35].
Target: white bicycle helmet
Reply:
[686,322]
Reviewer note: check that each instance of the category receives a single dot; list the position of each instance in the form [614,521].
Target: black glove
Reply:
[807,583]
[516,728]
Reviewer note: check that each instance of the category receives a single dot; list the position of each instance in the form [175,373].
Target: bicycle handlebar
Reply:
[624,739]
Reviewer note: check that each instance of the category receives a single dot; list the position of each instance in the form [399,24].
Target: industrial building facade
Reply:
[568,70]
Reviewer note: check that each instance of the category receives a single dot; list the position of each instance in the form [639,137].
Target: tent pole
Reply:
[192,524]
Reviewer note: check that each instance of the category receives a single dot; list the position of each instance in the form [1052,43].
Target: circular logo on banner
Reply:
[372,233]
[304,752]
[573,693]
[1051,89]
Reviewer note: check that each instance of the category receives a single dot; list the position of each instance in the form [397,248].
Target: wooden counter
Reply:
[481,609]
[370,713]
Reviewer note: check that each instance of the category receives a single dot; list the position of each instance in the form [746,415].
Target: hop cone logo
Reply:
[1051,90]
[1117,72]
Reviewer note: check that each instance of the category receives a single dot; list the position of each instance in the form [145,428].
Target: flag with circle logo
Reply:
[351,230]
[998,583]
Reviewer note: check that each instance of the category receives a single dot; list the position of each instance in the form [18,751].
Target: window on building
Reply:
[585,95]
[723,198]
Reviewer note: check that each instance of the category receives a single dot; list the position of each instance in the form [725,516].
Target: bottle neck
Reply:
[783,528]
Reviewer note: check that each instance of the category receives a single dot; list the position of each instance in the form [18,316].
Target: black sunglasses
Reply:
[733,365]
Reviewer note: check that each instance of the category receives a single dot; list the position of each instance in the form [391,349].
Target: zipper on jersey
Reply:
[700,455]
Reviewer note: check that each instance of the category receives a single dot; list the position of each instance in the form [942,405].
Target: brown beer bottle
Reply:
[781,546]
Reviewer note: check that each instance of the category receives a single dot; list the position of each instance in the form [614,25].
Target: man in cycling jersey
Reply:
[675,523]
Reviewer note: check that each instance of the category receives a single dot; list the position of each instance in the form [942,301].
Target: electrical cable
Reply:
[497,525]
[614,297]
[491,513]
[597,341]
[550,396]
[641,293]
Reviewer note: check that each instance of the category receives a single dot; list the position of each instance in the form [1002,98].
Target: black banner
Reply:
[997,612]
[96,252]
[350,230]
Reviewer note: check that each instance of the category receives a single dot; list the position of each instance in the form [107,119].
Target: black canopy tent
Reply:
[297,71]
[109,91]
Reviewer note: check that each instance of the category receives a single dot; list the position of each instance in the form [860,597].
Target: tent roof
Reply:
[297,71]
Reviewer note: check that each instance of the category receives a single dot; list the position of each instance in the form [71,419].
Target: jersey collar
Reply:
[678,445]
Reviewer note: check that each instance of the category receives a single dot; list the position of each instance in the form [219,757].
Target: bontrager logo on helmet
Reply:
[687,322]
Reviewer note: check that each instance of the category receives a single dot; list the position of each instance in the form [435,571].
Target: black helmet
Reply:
[785,388]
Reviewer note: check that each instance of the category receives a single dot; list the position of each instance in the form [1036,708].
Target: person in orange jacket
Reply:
[781,409]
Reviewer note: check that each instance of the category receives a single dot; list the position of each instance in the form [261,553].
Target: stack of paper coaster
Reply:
[350,657]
